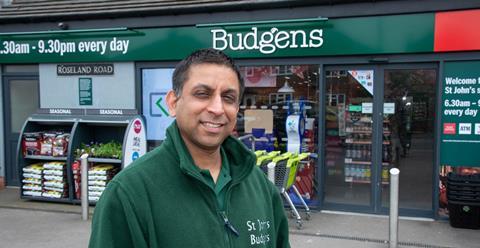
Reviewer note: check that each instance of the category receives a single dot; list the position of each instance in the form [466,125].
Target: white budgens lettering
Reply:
[221,38]
[294,38]
[281,37]
[318,37]
[232,41]
[266,42]
[253,36]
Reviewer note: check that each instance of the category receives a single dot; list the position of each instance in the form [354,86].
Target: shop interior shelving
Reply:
[358,157]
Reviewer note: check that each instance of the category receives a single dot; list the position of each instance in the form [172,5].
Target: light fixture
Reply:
[286,88]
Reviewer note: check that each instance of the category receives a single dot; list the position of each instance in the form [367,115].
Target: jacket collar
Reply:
[241,160]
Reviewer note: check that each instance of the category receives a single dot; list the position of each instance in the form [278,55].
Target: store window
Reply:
[155,85]
[273,94]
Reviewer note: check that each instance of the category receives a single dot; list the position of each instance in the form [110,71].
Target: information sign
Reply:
[460,134]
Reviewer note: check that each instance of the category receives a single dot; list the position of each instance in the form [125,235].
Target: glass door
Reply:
[348,137]
[21,100]
[408,131]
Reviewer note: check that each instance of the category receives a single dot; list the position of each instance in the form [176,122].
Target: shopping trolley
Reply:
[263,160]
[284,169]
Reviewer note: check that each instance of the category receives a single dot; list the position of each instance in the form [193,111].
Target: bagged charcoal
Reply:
[32,193]
[102,169]
[32,187]
[53,194]
[54,172]
[36,168]
[96,188]
[30,180]
[56,184]
[53,178]
[100,177]
[54,166]
[95,193]
[56,189]
[93,198]
[31,175]
[97,183]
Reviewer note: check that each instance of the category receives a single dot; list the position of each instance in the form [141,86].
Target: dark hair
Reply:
[203,56]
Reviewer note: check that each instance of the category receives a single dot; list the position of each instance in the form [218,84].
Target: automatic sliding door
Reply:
[409,98]
[348,136]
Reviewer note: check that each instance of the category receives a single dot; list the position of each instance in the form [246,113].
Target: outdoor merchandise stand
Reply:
[50,147]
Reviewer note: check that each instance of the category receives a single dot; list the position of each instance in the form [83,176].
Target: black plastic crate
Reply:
[464,179]
[464,215]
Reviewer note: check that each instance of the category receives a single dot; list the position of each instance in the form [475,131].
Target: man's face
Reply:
[206,110]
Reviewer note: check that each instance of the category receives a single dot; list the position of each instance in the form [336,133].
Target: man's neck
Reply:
[210,160]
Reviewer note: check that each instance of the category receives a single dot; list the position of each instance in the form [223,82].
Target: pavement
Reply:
[25,223]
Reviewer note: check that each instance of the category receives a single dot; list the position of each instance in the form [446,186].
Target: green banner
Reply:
[345,36]
[460,138]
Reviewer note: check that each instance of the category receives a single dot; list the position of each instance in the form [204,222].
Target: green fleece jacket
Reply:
[161,200]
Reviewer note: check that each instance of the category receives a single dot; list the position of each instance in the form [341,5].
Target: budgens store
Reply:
[362,89]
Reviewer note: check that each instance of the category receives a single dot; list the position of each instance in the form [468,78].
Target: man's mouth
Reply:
[212,124]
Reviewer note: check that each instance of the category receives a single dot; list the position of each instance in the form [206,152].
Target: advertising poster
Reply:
[365,78]
[460,129]
[259,76]
[156,83]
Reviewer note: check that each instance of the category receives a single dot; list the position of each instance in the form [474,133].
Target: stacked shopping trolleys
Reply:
[281,169]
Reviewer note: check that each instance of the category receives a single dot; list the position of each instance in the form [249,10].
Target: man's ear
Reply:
[171,100]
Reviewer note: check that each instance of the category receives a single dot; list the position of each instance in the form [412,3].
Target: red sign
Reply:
[449,128]
[457,31]
[137,126]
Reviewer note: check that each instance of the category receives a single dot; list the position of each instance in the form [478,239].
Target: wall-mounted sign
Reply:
[85,91]
[111,112]
[85,69]
[460,114]
[61,111]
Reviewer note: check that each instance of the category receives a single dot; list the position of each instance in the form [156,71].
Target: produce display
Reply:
[45,179]
[48,143]
[112,149]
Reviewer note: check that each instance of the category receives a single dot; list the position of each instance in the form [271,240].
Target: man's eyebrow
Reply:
[202,86]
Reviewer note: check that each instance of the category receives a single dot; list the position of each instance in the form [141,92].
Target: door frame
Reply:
[375,206]
[10,161]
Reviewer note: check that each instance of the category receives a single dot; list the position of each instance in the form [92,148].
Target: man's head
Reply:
[203,56]
[205,99]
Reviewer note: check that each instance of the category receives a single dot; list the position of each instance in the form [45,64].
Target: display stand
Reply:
[126,130]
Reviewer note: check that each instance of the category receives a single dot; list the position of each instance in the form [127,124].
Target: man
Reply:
[201,187]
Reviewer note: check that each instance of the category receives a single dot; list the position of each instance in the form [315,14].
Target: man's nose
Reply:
[215,106]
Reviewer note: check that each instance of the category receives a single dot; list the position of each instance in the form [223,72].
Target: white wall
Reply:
[115,91]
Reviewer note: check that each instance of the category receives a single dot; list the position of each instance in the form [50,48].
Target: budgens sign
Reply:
[266,42]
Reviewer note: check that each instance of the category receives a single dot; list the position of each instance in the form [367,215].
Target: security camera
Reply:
[62,26]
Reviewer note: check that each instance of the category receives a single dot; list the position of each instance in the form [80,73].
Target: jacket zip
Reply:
[228,226]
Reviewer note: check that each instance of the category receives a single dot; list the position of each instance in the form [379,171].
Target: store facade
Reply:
[374,93]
